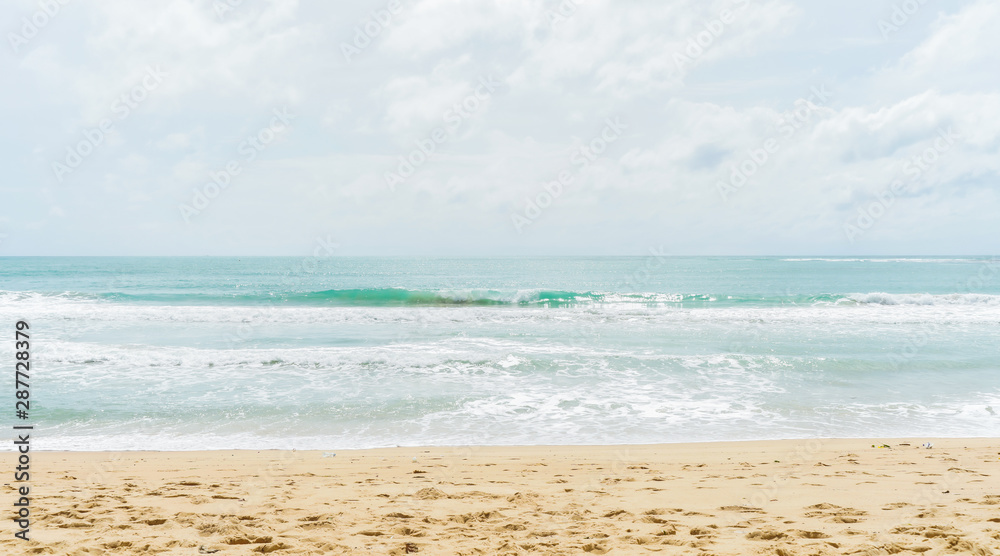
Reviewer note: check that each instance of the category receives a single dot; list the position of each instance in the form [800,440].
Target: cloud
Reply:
[693,115]
[955,54]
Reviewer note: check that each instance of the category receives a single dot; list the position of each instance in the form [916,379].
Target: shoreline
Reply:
[913,441]
[811,496]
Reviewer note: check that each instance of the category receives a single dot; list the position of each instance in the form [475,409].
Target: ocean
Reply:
[195,353]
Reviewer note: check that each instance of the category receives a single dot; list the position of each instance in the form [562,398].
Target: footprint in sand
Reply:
[812,534]
[247,540]
[408,532]
[371,533]
[594,548]
[429,493]
[836,514]
[688,514]
[666,530]
[743,509]
[765,535]
[476,517]
[615,513]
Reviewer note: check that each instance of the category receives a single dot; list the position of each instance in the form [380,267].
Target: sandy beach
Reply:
[771,497]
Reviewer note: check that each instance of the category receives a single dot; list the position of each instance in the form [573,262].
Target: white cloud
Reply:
[957,55]
[560,83]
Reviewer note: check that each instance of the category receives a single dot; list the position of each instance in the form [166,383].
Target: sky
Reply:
[500,127]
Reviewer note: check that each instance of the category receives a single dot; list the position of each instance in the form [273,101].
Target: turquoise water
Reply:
[337,352]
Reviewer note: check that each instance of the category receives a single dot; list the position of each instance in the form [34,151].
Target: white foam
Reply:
[884,260]
[882,298]
[507,375]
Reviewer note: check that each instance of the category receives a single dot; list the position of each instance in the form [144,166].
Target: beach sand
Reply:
[796,497]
